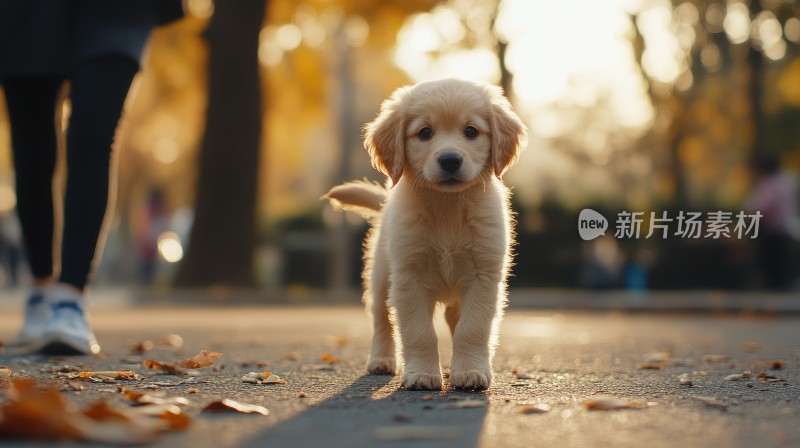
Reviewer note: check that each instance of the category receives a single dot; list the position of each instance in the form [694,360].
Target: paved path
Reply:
[568,359]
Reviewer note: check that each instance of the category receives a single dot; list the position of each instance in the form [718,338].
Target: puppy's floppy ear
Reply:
[384,137]
[509,134]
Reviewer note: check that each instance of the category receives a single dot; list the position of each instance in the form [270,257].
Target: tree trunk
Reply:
[223,238]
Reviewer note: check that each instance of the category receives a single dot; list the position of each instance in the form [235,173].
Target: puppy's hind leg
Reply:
[382,357]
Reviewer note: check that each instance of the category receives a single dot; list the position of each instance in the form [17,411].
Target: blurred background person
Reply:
[774,195]
[96,45]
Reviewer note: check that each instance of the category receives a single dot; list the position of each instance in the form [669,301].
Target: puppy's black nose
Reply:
[450,162]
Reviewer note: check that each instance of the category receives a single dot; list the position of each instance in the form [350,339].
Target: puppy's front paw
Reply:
[381,365]
[421,381]
[471,379]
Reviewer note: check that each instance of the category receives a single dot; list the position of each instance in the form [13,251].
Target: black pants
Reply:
[97,94]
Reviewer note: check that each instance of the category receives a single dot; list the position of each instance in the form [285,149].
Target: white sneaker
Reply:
[36,314]
[66,331]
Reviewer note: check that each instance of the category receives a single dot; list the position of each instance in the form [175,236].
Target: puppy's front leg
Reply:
[473,340]
[414,306]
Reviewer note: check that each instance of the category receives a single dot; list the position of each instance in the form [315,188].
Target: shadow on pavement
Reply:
[352,418]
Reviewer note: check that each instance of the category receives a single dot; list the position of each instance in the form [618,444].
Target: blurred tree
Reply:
[223,238]
[726,104]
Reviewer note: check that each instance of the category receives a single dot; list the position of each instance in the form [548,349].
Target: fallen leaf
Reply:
[716,358]
[465,404]
[767,378]
[406,432]
[227,405]
[73,386]
[151,398]
[330,359]
[203,359]
[651,366]
[538,408]
[777,365]
[103,376]
[262,378]
[66,368]
[613,404]
[141,347]
[44,414]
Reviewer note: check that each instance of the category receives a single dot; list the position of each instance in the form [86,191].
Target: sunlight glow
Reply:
[737,23]
[169,247]
[792,29]
[166,150]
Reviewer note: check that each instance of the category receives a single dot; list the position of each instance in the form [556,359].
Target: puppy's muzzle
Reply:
[450,162]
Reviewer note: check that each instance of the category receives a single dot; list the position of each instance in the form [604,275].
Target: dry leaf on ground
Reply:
[203,359]
[613,404]
[651,366]
[45,414]
[262,378]
[330,359]
[767,378]
[151,398]
[227,405]
[685,380]
[538,408]
[738,376]
[103,376]
[777,365]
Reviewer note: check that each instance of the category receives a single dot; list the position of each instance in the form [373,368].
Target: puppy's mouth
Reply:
[451,181]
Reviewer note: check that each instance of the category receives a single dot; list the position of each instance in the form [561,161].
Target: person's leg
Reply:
[31,103]
[98,92]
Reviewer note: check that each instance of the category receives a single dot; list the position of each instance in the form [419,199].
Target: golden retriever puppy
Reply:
[442,229]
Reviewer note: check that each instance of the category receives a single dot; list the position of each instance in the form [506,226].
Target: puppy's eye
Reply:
[470,132]
[425,133]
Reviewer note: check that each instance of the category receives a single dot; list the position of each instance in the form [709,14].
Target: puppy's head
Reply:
[445,135]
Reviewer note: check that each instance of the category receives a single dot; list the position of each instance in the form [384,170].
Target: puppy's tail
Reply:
[362,197]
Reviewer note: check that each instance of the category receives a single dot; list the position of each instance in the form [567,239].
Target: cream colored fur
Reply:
[438,237]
